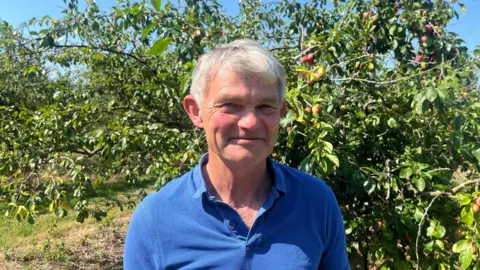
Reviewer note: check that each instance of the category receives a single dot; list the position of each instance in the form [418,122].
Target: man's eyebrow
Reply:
[237,98]
[228,98]
[268,100]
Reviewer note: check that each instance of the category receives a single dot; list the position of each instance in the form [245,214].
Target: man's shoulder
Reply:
[175,190]
[303,182]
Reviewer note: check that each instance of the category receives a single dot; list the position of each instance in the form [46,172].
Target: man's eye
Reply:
[230,107]
[266,108]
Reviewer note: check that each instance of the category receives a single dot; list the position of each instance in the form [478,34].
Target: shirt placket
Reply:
[252,238]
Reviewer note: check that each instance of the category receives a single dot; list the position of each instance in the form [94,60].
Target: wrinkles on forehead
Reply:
[226,77]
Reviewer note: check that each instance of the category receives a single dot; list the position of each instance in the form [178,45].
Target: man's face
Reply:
[241,117]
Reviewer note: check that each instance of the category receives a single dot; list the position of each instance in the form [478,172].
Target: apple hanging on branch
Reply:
[308,59]
[317,109]
[428,28]
[418,58]
[458,234]
[475,208]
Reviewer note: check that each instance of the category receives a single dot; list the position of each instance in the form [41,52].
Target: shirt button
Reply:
[233,223]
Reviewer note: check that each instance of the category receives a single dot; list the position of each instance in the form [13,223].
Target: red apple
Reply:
[424,39]
[317,109]
[365,15]
[304,59]
[458,234]
[428,28]
[418,58]
[309,109]
[475,208]
[379,225]
[310,56]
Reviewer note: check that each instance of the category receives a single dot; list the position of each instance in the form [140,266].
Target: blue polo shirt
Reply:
[183,227]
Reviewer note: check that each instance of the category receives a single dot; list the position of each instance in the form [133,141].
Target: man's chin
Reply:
[244,155]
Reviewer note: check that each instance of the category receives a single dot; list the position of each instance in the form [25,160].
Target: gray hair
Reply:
[242,55]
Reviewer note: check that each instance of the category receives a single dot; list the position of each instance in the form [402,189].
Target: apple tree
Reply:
[383,105]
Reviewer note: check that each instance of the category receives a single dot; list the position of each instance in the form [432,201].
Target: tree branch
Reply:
[454,190]
[283,48]
[110,51]
[420,229]
[169,124]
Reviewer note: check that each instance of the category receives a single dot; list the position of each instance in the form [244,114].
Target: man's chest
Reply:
[247,215]
[219,240]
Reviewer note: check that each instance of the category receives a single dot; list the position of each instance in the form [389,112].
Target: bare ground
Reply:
[92,245]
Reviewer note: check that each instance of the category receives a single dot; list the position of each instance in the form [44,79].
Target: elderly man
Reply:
[238,209]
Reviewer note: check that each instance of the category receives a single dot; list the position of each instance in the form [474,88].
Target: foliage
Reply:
[383,104]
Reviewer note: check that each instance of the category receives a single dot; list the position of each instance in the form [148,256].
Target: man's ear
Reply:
[193,110]
[283,107]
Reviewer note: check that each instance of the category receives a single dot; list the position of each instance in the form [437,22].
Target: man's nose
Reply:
[249,119]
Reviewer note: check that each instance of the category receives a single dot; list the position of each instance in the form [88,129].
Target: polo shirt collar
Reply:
[199,182]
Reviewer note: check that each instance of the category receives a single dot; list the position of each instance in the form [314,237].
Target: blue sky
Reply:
[18,11]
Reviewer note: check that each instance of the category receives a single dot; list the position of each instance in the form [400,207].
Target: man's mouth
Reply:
[245,140]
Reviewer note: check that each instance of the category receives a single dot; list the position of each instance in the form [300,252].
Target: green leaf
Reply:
[95,26]
[289,118]
[419,183]
[160,46]
[430,231]
[440,244]
[369,186]
[418,215]
[148,30]
[431,94]
[463,7]
[465,258]
[477,266]
[156,4]
[439,232]
[465,201]
[429,247]
[372,170]
[467,215]
[406,173]
[308,99]
[360,114]
[327,146]
[301,69]
[476,154]
[460,246]
[392,123]
[333,159]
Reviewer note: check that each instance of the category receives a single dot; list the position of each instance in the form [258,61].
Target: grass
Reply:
[62,243]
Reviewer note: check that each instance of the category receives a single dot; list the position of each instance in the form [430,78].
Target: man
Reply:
[238,209]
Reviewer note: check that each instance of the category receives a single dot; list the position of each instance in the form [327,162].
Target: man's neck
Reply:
[235,185]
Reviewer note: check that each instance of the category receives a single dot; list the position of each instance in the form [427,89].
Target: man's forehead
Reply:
[269,94]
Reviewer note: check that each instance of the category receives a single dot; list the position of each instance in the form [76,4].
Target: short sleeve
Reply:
[335,249]
[141,244]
